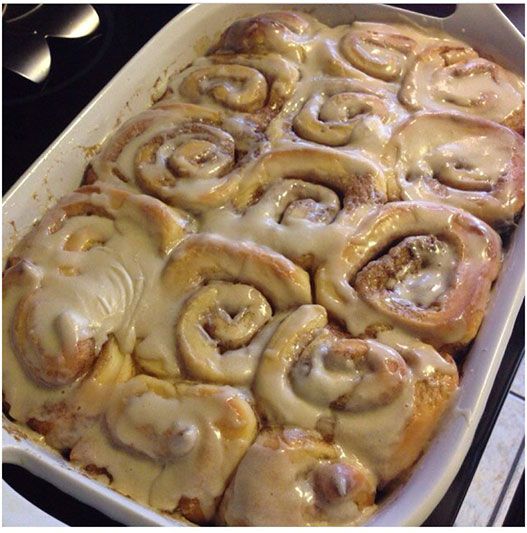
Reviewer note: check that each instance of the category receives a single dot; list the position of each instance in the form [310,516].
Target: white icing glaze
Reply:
[308,376]
[462,161]
[241,83]
[426,286]
[222,332]
[78,285]
[338,112]
[292,477]
[455,78]
[355,287]
[186,155]
[287,33]
[298,138]
[372,51]
[189,438]
[23,394]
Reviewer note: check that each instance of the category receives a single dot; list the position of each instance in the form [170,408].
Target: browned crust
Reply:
[509,189]
[190,508]
[432,397]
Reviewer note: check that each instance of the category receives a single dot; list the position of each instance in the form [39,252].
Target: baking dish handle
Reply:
[492,31]
[17,511]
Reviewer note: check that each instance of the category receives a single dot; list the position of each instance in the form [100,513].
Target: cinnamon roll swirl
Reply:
[339,112]
[286,33]
[377,50]
[463,161]
[377,402]
[355,178]
[292,477]
[456,78]
[255,85]
[186,155]
[226,298]
[60,321]
[419,266]
[182,441]
[281,218]
[289,194]
[373,52]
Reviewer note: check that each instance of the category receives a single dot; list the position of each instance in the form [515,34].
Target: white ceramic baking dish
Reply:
[59,170]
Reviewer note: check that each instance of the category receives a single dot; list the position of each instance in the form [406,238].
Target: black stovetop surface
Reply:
[33,116]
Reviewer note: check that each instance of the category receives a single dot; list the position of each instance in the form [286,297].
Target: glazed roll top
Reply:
[421,267]
[186,155]
[292,477]
[221,301]
[185,442]
[444,78]
[466,162]
[372,51]
[366,395]
[284,32]
[339,113]
[74,280]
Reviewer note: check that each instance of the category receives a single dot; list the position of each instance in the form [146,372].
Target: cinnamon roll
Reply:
[353,177]
[186,155]
[456,78]
[181,441]
[281,218]
[463,161]
[286,33]
[377,49]
[80,282]
[289,194]
[224,300]
[419,266]
[370,51]
[255,85]
[339,112]
[292,477]
[377,402]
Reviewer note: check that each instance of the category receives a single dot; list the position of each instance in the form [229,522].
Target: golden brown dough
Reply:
[355,177]
[377,401]
[292,477]
[284,32]
[232,295]
[172,447]
[378,51]
[462,161]
[419,266]
[373,51]
[256,86]
[63,423]
[456,78]
[186,155]
[340,113]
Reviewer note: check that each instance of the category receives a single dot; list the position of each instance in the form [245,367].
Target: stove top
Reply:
[72,59]
[35,114]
